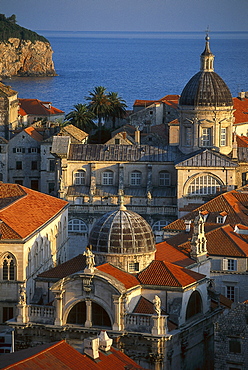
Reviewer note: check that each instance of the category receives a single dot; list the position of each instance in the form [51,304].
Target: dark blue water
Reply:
[135,67]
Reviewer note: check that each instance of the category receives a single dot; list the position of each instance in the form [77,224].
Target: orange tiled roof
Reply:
[37,107]
[167,274]
[125,278]
[241,110]
[168,253]
[26,210]
[33,133]
[242,141]
[61,356]
[65,269]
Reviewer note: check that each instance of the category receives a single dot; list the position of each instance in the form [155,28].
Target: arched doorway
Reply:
[194,305]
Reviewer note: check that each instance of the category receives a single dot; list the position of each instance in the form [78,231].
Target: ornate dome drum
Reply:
[206,110]
[123,238]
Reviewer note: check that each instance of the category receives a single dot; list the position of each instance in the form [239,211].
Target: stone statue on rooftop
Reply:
[157,305]
[90,259]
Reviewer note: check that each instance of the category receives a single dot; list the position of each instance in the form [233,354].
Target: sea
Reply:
[136,65]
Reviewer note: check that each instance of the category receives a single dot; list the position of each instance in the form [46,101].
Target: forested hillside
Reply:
[9,29]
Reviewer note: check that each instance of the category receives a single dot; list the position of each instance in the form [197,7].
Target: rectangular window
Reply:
[35,184]
[51,187]
[7,313]
[117,141]
[229,264]
[164,179]
[133,266]
[206,137]
[188,136]
[19,182]
[51,165]
[34,165]
[18,165]
[223,136]
[230,292]
[234,345]
[135,178]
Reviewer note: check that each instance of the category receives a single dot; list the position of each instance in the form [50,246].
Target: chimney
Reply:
[242,95]
[91,346]
[137,136]
[105,342]
[124,135]
[187,225]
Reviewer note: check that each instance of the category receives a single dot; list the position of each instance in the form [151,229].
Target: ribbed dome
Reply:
[206,89]
[122,232]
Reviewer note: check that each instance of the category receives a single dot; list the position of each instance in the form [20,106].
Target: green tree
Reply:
[99,104]
[81,117]
[117,107]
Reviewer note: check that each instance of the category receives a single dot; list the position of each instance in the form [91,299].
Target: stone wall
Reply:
[26,58]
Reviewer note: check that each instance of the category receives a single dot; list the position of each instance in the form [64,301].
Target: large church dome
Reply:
[206,88]
[122,237]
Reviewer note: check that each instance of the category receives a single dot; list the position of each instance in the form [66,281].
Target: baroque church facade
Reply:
[202,158]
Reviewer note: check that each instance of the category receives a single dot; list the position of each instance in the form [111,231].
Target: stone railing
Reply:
[161,210]
[41,314]
[140,323]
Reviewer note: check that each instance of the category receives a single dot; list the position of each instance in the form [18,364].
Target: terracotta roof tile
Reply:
[61,356]
[33,133]
[167,274]
[37,107]
[125,278]
[39,209]
[242,141]
[168,253]
[65,269]
[240,110]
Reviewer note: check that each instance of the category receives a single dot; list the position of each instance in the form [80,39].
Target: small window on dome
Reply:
[133,266]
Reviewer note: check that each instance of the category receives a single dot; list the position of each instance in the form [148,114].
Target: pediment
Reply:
[207,158]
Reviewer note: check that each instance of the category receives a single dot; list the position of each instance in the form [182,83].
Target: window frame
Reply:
[206,137]
[223,136]
[108,178]
[8,268]
[204,184]
[79,177]
[76,225]
[135,178]
[164,181]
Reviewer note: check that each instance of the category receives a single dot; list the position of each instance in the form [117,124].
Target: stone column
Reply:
[22,316]
[58,308]
[159,325]
[118,324]
[88,322]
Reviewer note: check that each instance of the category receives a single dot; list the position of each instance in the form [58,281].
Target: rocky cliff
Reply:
[26,58]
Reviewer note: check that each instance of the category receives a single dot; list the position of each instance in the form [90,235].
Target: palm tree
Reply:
[81,117]
[117,107]
[99,103]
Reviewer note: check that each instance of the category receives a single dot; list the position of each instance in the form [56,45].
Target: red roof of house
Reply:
[241,110]
[125,278]
[61,356]
[163,273]
[37,107]
[33,133]
[168,253]
[22,210]
[242,141]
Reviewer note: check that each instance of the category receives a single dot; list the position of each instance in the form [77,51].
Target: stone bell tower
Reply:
[198,242]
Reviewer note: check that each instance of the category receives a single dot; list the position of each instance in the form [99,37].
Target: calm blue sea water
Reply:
[139,66]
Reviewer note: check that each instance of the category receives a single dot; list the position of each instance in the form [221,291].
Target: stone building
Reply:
[226,224]
[34,236]
[230,339]
[9,106]
[155,302]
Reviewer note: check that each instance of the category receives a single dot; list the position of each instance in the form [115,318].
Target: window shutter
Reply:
[23,150]
[235,265]
[236,294]
[14,150]
[223,290]
[225,264]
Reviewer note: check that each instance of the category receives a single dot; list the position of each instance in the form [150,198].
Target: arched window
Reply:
[164,178]
[100,316]
[107,178]
[79,177]
[77,315]
[194,305]
[157,226]
[135,178]
[9,267]
[203,185]
[77,225]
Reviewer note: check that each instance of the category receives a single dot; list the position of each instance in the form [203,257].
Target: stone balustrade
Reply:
[140,323]
[41,314]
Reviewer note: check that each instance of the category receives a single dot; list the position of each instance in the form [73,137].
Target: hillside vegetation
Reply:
[9,29]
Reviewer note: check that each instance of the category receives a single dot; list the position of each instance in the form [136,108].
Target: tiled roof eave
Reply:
[180,288]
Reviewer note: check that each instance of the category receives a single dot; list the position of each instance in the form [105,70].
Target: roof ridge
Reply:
[232,239]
